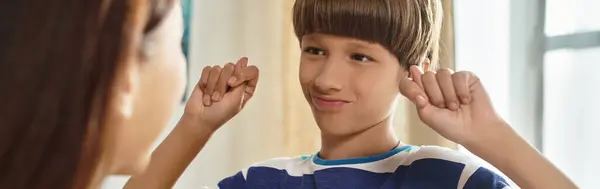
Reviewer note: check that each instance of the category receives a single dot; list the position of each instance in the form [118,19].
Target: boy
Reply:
[358,55]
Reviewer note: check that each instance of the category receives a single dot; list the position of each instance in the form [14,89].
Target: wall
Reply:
[218,37]
[277,121]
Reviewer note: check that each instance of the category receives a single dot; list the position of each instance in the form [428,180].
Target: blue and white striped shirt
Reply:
[408,167]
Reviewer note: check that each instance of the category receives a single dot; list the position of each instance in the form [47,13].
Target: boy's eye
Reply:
[314,51]
[361,57]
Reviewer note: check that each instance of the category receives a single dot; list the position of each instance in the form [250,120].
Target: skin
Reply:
[198,124]
[453,104]
[351,86]
[146,93]
[362,75]
[475,125]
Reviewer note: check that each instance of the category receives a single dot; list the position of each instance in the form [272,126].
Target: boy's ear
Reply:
[426,65]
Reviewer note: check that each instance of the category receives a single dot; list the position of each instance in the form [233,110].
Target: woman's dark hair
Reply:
[409,29]
[58,62]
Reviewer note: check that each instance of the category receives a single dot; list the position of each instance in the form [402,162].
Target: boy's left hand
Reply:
[453,104]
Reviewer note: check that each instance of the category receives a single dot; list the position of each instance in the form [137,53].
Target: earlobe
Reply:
[124,92]
[125,105]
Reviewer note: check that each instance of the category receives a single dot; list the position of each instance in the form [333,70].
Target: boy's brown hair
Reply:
[410,29]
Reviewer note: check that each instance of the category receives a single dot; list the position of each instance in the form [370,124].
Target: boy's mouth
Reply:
[325,103]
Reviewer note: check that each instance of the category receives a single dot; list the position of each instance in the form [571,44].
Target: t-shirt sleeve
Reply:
[483,178]
[236,181]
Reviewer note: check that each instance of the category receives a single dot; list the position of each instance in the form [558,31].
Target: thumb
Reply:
[235,96]
[421,102]
[197,92]
[411,90]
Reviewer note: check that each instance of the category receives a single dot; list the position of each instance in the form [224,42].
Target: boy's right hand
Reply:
[221,93]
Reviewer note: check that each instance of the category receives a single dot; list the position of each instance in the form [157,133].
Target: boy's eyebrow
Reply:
[311,39]
[360,44]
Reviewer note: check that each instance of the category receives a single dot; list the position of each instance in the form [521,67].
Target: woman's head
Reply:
[87,87]
[356,51]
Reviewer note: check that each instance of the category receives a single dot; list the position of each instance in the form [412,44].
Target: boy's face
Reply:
[350,84]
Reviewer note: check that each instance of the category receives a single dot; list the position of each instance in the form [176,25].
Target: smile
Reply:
[328,104]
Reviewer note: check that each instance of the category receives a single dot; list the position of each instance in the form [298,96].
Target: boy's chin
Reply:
[335,129]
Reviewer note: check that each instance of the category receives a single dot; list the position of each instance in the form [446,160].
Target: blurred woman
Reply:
[86,88]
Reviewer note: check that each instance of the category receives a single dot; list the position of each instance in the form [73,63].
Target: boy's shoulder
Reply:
[295,166]
[471,171]
[441,153]
[443,157]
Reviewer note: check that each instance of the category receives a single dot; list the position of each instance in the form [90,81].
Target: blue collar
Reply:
[317,160]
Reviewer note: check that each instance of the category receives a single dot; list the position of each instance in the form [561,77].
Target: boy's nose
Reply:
[330,78]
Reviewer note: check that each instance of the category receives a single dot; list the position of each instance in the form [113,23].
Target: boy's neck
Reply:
[377,139]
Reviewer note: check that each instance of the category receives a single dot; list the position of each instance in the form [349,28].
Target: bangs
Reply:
[369,20]
[409,29]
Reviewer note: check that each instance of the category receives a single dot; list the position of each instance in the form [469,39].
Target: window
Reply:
[571,126]
[483,48]
[571,89]
[571,16]
[539,61]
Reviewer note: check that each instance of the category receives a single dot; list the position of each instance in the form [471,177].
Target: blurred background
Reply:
[537,58]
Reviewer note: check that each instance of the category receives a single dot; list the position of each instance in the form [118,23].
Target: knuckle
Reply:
[437,101]
[444,71]
[214,72]
[413,90]
[428,76]
[463,95]
[459,76]
[464,74]
[229,66]
[440,105]
[452,101]
[472,75]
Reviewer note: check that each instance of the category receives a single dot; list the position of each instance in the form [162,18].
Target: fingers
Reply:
[416,73]
[433,89]
[247,75]
[250,75]
[204,77]
[221,86]
[444,89]
[237,77]
[411,90]
[244,81]
[462,86]
[444,79]
[215,81]
[211,84]
[237,95]
[242,73]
